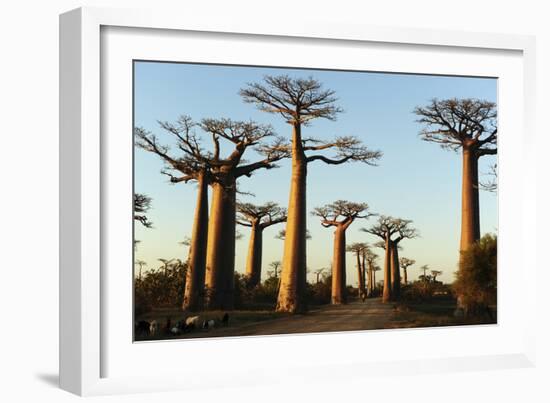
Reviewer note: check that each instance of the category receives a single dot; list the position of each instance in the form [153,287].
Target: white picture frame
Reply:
[83,162]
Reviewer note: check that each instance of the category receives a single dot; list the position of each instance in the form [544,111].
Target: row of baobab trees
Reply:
[338,215]
[466,124]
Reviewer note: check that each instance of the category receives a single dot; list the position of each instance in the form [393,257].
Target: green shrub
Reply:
[319,293]
[424,291]
[160,288]
[476,279]
[261,296]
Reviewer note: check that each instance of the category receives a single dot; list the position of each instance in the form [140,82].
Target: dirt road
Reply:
[371,314]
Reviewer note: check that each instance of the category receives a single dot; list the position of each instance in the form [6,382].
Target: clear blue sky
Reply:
[414,180]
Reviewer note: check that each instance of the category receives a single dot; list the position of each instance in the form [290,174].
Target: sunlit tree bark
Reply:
[469,125]
[212,245]
[220,255]
[192,165]
[299,101]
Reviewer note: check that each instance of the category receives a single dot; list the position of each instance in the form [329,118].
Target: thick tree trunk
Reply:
[386,294]
[291,296]
[220,256]
[396,278]
[405,281]
[470,199]
[194,284]
[470,226]
[475,184]
[254,259]
[339,267]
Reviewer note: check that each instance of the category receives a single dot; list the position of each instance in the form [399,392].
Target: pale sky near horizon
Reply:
[414,179]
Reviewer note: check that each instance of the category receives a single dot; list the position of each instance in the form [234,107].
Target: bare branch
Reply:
[492,184]
[455,123]
[297,100]
[347,149]
[142,204]
[349,211]
[263,216]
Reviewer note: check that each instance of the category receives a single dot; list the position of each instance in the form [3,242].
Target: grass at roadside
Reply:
[237,318]
[438,312]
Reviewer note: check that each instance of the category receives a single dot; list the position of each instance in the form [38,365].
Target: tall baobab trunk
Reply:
[220,255]
[339,267]
[396,277]
[475,184]
[470,231]
[194,285]
[405,281]
[254,259]
[386,294]
[293,276]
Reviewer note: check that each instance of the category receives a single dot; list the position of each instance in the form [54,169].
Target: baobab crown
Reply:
[299,101]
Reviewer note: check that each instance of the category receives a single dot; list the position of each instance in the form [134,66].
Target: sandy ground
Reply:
[371,314]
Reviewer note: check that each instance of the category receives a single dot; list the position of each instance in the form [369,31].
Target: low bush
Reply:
[476,280]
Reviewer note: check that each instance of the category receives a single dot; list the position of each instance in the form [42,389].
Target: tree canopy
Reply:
[265,215]
[341,212]
[454,123]
[142,204]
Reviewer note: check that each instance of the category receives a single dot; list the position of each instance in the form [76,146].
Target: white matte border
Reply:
[120,46]
[88,293]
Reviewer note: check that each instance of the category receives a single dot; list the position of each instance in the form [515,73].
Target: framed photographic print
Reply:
[257,193]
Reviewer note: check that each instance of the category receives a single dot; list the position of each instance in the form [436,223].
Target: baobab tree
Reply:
[382,245]
[424,269]
[275,265]
[299,101]
[369,260]
[469,125]
[405,264]
[257,218]
[193,165]
[404,231]
[318,273]
[165,265]
[436,273]
[142,204]
[386,228]
[141,264]
[217,234]
[340,215]
[359,249]
[220,255]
